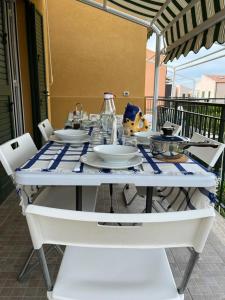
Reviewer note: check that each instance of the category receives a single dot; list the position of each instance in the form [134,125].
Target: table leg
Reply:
[149,195]
[111,195]
[79,197]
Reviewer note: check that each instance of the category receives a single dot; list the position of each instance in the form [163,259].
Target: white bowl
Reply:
[144,136]
[115,153]
[70,134]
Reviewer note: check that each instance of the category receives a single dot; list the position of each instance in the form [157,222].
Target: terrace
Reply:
[207,281]
[56,65]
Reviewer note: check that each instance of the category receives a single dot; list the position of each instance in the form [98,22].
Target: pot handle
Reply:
[198,144]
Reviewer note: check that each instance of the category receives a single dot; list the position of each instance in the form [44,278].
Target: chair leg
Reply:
[127,203]
[28,269]
[187,274]
[59,249]
[44,267]
[25,267]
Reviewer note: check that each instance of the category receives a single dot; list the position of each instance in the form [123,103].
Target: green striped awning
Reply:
[199,25]
[185,25]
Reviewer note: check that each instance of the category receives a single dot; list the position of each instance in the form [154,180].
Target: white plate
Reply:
[70,134]
[93,160]
[115,153]
[53,138]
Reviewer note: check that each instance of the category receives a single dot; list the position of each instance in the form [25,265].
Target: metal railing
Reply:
[205,116]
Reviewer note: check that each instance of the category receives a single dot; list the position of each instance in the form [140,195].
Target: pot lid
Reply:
[168,138]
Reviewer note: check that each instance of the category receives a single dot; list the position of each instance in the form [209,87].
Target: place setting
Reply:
[113,157]
[71,136]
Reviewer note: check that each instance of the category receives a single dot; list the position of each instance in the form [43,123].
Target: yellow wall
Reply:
[39,4]
[93,52]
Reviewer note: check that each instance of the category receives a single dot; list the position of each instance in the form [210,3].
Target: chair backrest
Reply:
[86,229]
[46,129]
[16,152]
[207,155]
[70,116]
[176,127]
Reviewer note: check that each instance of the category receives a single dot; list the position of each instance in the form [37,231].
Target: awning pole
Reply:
[156,83]
[173,94]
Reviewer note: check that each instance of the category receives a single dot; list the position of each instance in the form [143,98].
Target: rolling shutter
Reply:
[37,69]
[6,127]
[41,65]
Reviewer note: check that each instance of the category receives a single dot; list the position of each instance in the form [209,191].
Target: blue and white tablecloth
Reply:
[65,158]
[59,164]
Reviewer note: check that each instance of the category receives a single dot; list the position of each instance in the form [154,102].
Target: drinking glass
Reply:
[76,123]
[97,137]
[124,138]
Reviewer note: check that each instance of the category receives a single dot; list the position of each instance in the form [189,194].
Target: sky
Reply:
[216,67]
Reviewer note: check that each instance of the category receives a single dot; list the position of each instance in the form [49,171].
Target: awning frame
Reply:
[120,14]
[149,25]
[161,28]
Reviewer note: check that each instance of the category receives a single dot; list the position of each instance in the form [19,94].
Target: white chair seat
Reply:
[114,274]
[64,197]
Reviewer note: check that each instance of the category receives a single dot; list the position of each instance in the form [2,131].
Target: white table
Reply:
[58,164]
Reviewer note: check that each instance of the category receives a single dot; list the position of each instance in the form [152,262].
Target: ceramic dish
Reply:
[115,153]
[93,160]
[81,141]
[70,134]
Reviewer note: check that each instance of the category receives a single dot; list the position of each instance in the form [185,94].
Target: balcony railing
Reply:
[205,116]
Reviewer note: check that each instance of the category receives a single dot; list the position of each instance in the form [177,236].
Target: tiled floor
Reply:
[207,282]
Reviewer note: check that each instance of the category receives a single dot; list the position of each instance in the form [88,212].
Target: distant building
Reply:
[149,75]
[168,90]
[183,91]
[211,86]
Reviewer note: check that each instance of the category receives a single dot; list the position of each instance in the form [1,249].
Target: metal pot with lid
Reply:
[172,147]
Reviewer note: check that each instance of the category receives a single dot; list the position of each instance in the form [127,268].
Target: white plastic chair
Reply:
[176,127]
[176,198]
[117,262]
[46,129]
[13,154]
[208,155]
[173,199]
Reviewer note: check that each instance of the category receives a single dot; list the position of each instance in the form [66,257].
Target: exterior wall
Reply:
[183,91]
[205,86]
[220,90]
[149,75]
[93,52]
